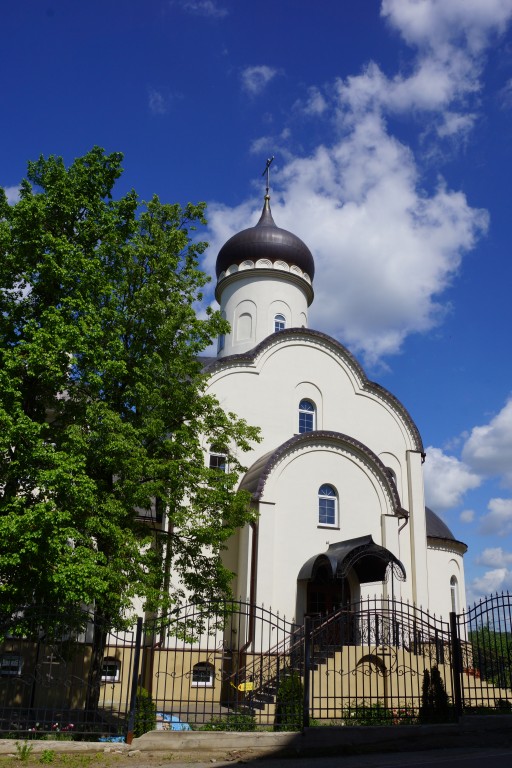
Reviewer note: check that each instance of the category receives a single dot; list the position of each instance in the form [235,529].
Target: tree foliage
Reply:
[491,653]
[103,404]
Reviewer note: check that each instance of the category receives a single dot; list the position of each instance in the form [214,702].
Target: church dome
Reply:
[265,241]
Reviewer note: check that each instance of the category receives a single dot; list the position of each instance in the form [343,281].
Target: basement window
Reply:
[111,671]
[10,665]
[203,675]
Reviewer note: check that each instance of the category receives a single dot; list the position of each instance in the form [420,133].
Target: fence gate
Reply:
[367,664]
[485,655]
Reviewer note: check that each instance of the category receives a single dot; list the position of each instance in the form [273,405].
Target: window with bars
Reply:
[10,665]
[111,670]
[203,674]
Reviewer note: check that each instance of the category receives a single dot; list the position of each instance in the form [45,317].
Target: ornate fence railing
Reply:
[230,664]
[485,637]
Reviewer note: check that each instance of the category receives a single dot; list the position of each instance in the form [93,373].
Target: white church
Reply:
[337,481]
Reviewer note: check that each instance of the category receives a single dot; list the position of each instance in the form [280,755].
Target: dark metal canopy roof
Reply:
[368,559]
[266,241]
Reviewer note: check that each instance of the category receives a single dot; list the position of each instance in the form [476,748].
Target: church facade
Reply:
[337,480]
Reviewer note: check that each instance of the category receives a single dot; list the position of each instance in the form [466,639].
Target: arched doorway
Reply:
[326,594]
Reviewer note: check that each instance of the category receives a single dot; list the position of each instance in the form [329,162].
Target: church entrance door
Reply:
[326,594]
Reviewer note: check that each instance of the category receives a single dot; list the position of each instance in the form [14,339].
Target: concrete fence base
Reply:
[471,731]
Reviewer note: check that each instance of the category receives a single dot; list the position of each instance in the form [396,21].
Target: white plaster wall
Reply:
[268,393]
[289,530]
[267,295]
[417,530]
[443,563]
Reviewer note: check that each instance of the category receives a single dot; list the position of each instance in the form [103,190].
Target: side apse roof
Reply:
[250,356]
[437,528]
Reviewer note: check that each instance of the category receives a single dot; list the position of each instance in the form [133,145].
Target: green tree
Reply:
[491,654]
[104,410]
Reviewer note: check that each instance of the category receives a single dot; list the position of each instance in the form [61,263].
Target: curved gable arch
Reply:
[256,358]
[260,477]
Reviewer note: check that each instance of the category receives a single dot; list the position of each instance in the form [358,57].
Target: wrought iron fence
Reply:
[239,666]
[64,676]
[368,663]
[485,658]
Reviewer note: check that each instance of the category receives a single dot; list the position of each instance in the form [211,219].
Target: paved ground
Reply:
[452,758]
[476,757]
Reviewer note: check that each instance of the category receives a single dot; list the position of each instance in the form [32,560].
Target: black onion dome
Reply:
[266,241]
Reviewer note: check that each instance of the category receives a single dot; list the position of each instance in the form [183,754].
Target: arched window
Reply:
[279,323]
[203,674]
[454,594]
[327,506]
[306,416]
[218,461]
[111,670]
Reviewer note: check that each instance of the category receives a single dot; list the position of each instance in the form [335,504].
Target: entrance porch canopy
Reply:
[368,559]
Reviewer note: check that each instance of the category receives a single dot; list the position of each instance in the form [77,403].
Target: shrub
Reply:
[369,714]
[145,713]
[289,704]
[47,756]
[237,721]
[435,706]
[23,750]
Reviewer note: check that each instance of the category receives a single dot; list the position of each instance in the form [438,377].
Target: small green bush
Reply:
[145,713]
[369,714]
[237,721]
[47,756]
[289,704]
[23,750]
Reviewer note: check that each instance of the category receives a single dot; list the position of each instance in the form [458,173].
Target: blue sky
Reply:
[390,122]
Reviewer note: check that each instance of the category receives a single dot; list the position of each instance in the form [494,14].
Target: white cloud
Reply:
[498,521]
[205,8]
[12,194]
[446,479]
[437,23]
[384,250]
[456,124]
[315,104]
[494,557]
[255,79]
[158,104]
[268,145]
[449,39]
[467,516]
[496,580]
[488,449]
